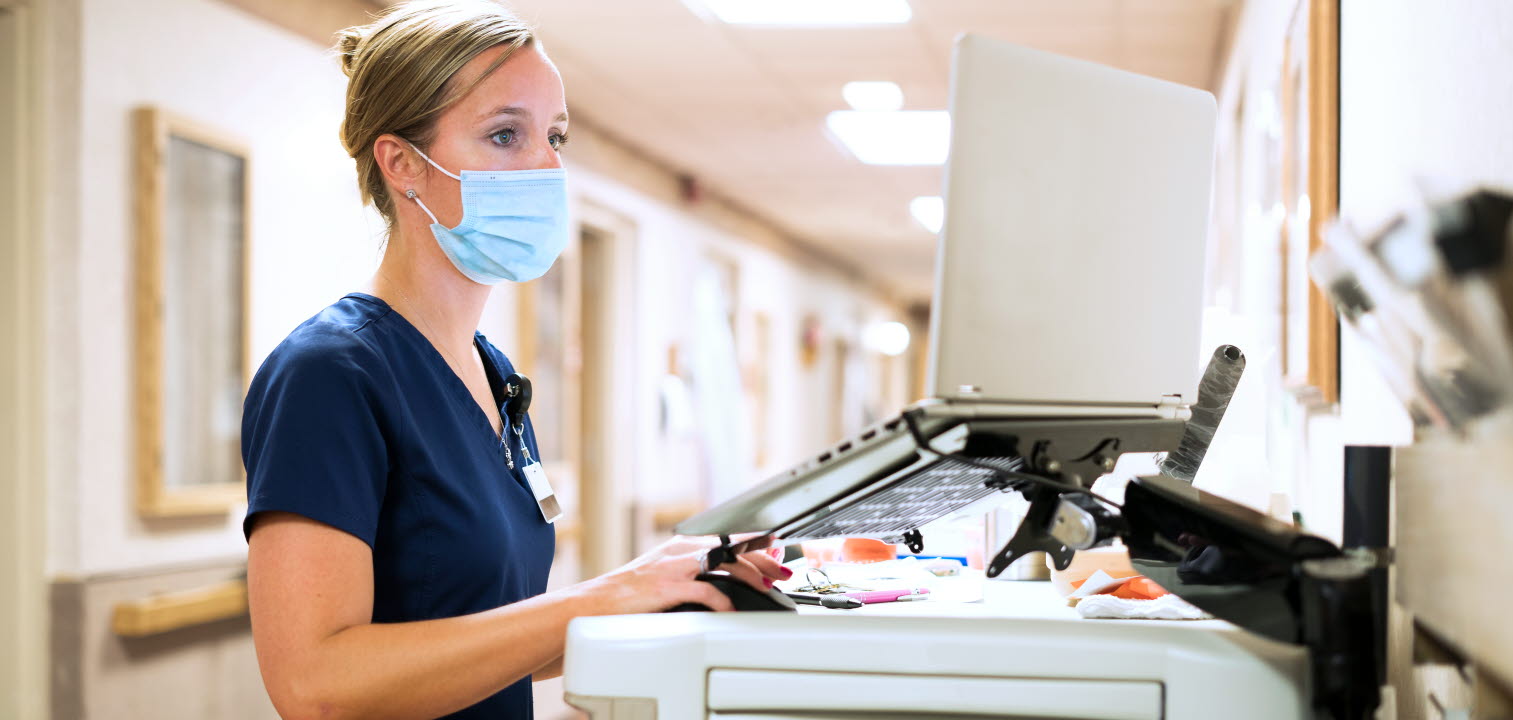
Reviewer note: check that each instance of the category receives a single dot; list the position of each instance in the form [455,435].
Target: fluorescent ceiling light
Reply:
[873,95]
[888,338]
[904,137]
[808,12]
[930,211]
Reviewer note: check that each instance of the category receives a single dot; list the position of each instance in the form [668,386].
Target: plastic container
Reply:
[865,550]
[819,553]
[1113,560]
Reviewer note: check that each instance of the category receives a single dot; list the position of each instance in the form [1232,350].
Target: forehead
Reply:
[527,81]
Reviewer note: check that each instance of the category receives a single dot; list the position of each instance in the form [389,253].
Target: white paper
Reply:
[1096,583]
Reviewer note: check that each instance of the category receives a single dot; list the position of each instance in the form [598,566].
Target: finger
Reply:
[744,537]
[747,573]
[767,566]
[710,596]
[684,544]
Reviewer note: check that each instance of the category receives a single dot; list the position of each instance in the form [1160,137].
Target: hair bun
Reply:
[347,42]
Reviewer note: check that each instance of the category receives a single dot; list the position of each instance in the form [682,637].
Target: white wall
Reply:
[1428,96]
[1426,103]
[282,96]
[1273,452]
[312,242]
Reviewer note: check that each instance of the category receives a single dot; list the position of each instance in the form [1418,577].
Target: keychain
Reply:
[518,388]
[517,399]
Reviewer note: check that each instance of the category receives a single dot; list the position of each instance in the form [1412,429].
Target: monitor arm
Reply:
[1242,566]
[1059,524]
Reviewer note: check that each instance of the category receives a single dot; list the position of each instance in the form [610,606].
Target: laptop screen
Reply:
[1070,268]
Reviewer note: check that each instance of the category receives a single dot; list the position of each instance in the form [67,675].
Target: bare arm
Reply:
[311,596]
[548,671]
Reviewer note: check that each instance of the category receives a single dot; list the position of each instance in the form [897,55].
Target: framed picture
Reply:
[191,365]
[1310,177]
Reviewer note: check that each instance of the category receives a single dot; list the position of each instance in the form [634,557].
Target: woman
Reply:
[397,553]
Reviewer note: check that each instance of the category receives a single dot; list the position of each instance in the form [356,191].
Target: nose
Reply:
[547,158]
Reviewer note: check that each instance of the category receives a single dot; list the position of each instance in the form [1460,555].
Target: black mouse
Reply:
[743,596]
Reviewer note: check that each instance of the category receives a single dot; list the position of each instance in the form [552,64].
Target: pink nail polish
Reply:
[787,573]
[768,581]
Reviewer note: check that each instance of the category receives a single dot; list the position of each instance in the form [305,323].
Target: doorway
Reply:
[578,345]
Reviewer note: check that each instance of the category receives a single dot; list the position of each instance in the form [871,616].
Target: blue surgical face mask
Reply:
[514,223]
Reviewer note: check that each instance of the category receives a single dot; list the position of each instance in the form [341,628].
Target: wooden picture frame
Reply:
[192,209]
[1310,97]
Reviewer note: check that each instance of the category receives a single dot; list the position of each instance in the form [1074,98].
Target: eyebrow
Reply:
[518,111]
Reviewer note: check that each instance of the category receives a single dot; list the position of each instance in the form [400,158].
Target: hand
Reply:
[757,568]
[664,577]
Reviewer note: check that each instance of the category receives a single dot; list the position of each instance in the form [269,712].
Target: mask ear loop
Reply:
[433,162]
[410,193]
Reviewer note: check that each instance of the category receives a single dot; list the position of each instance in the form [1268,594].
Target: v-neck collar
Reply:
[460,389]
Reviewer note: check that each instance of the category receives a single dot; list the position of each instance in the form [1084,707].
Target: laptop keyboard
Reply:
[929,494]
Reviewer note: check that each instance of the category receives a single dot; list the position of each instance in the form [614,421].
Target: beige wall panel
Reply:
[205,671]
[1452,536]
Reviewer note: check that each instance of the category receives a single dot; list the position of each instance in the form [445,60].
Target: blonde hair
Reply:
[400,68]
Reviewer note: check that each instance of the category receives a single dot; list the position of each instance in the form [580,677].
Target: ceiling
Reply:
[742,108]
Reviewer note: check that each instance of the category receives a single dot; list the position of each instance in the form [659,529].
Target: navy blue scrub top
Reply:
[356,421]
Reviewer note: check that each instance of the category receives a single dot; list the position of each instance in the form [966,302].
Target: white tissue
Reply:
[1166,607]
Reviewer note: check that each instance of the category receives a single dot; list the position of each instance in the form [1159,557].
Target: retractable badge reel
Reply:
[517,389]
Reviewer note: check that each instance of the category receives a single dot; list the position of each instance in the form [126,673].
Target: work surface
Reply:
[1021,599]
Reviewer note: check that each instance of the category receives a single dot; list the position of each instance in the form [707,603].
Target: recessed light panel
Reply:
[889,338]
[905,137]
[930,211]
[808,12]
[873,95]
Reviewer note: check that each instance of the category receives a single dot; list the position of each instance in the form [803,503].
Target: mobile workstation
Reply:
[1065,332]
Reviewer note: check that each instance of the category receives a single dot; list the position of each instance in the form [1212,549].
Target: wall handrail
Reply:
[171,611]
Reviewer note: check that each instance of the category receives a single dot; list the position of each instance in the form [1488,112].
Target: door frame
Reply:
[24,679]
[606,479]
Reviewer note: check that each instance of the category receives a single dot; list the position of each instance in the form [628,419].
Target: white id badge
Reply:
[546,499]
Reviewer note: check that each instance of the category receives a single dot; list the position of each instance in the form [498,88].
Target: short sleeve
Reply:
[312,432]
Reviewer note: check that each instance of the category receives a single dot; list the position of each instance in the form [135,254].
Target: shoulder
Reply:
[332,346]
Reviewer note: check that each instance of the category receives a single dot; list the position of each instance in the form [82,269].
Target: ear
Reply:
[401,166]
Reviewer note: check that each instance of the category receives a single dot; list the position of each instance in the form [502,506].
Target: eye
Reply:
[504,137]
[558,140]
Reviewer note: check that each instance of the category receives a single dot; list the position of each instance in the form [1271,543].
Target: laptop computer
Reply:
[1067,306]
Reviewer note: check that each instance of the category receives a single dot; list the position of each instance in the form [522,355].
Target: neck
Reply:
[419,282]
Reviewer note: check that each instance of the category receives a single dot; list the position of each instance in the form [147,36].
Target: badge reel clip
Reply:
[517,390]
